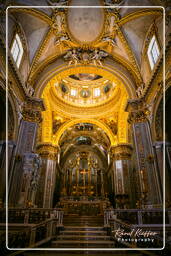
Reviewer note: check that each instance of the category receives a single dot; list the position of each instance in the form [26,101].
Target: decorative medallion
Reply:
[85,25]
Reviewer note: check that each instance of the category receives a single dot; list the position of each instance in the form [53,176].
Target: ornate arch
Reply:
[106,69]
[105,128]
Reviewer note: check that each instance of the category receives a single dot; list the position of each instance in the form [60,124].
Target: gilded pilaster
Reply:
[48,154]
[31,117]
[150,190]
[121,155]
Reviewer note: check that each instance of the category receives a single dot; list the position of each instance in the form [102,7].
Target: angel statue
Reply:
[109,40]
[61,39]
[72,56]
[97,56]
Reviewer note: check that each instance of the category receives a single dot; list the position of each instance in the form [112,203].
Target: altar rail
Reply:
[31,236]
[138,216]
[31,215]
[128,239]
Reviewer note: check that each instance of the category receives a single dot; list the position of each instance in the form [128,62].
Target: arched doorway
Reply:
[83,170]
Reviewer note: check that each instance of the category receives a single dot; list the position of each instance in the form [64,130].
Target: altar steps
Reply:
[83,220]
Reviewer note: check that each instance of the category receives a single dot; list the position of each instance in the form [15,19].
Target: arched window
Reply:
[153,52]
[73,92]
[96,92]
[17,50]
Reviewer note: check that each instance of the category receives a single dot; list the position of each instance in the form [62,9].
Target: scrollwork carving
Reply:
[78,55]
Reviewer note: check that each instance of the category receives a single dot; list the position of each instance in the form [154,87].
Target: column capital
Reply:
[121,152]
[48,151]
[32,108]
[138,111]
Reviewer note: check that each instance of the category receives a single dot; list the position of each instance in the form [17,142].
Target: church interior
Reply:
[85,129]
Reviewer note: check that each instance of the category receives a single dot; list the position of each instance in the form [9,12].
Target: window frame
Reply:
[17,55]
[96,95]
[74,90]
[153,51]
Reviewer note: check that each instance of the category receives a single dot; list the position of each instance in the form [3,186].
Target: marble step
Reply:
[83,237]
[82,244]
[83,228]
[84,232]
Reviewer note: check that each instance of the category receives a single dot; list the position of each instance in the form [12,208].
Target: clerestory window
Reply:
[96,92]
[17,50]
[153,52]
[73,92]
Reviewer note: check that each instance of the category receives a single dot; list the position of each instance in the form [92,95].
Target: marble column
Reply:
[47,181]
[121,155]
[150,189]
[31,117]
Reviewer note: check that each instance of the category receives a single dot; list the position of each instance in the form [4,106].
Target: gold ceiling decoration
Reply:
[90,56]
[68,113]
[85,55]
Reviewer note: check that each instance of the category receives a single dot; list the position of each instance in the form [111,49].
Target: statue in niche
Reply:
[34,182]
[35,172]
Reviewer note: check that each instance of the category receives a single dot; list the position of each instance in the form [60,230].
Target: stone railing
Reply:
[122,226]
[31,215]
[31,236]
[138,216]
[29,227]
